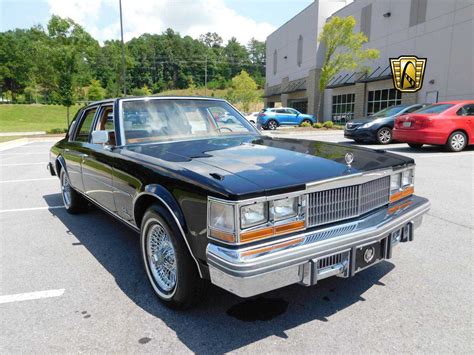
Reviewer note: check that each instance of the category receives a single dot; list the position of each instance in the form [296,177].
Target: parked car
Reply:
[252,117]
[377,127]
[219,202]
[449,123]
[271,118]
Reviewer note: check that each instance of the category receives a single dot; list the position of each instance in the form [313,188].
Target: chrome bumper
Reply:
[305,258]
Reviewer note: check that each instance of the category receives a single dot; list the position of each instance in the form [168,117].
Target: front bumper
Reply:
[299,258]
[360,134]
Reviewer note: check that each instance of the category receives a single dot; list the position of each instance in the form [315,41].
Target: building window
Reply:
[299,54]
[365,20]
[380,99]
[417,12]
[275,62]
[343,108]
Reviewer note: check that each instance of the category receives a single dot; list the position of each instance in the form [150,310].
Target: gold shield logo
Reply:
[408,73]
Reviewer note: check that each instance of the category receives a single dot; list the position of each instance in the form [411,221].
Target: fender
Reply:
[60,160]
[170,203]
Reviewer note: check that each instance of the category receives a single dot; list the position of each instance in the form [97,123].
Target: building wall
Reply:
[446,38]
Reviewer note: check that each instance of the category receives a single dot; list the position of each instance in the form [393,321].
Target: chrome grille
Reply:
[347,202]
[331,260]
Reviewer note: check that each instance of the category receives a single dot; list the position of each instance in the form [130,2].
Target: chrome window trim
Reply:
[344,181]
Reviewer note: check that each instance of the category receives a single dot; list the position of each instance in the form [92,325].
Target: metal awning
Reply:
[346,79]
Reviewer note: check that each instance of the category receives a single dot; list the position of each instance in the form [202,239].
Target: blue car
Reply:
[271,118]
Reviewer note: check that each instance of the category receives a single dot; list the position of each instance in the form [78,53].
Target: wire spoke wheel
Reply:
[66,191]
[161,257]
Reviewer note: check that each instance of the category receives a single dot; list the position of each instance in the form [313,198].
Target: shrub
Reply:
[328,124]
[318,125]
[56,130]
[305,124]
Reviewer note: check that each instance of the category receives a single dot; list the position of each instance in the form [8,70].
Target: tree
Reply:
[243,90]
[96,91]
[343,51]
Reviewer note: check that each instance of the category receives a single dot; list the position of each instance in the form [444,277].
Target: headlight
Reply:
[368,124]
[401,184]
[395,182]
[221,216]
[284,208]
[407,177]
[253,215]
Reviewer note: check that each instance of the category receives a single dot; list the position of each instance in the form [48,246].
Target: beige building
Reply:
[440,30]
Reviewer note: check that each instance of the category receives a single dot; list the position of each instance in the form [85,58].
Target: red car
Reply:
[449,123]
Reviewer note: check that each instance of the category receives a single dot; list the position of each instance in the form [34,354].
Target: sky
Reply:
[242,19]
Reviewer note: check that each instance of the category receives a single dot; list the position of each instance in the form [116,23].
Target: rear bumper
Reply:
[253,270]
[419,136]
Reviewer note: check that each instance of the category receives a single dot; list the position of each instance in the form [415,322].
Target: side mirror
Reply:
[100,137]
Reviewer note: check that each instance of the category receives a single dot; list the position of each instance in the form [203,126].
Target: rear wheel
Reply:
[272,125]
[73,201]
[415,145]
[384,135]
[457,141]
[168,264]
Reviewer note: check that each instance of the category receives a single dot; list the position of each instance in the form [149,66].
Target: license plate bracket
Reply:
[369,254]
[406,124]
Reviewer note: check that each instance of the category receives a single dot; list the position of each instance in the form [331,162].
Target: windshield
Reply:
[389,111]
[436,108]
[155,120]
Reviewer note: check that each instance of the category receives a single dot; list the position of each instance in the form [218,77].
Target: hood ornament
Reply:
[349,159]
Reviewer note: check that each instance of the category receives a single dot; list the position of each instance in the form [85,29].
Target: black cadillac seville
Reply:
[218,201]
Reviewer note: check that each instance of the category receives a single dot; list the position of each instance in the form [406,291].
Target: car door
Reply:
[281,116]
[465,120]
[293,116]
[97,162]
[77,147]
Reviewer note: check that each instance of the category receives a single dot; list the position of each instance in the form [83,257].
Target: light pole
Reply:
[123,51]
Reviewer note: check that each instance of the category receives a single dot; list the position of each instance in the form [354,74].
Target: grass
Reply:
[32,118]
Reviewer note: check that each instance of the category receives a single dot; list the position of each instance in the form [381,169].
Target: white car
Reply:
[252,117]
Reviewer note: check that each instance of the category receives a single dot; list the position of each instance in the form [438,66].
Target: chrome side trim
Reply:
[176,221]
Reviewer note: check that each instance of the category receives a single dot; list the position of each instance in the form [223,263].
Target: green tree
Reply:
[244,90]
[96,91]
[343,51]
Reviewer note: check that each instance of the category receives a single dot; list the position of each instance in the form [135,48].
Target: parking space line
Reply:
[31,296]
[24,164]
[25,153]
[26,180]
[31,209]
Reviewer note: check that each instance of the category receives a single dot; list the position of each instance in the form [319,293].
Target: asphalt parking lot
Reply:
[75,283]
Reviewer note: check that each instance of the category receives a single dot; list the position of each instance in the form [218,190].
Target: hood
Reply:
[274,165]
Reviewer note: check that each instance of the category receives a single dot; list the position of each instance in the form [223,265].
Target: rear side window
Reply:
[84,129]
[280,111]
[467,110]
[437,108]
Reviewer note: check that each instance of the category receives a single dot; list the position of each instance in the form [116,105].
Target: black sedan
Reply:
[216,201]
[378,127]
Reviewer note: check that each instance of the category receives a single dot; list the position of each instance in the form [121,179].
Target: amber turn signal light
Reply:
[271,231]
[402,194]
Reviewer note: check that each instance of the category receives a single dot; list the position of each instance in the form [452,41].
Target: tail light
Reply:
[413,122]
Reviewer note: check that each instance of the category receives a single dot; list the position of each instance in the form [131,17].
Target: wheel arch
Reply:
[469,141]
[60,164]
[157,194]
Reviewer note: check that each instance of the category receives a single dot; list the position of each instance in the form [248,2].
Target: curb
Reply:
[23,141]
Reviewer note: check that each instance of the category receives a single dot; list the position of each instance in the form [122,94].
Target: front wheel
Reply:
[384,135]
[457,141]
[272,125]
[73,201]
[168,263]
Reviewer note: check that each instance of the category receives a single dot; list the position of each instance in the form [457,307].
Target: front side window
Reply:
[389,111]
[162,120]
[105,122]
[84,129]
